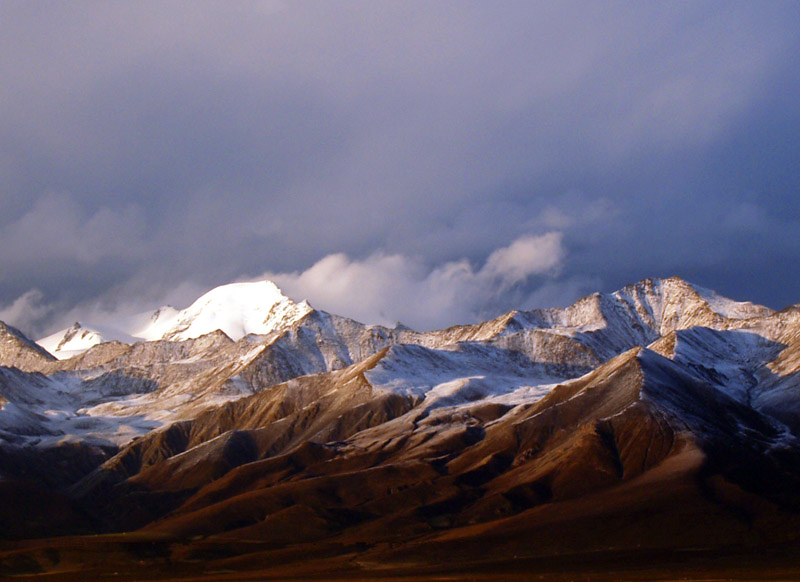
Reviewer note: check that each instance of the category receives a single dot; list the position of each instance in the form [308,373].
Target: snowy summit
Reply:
[236,309]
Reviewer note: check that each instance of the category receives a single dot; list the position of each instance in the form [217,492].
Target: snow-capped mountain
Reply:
[240,338]
[247,413]
[631,316]
[237,309]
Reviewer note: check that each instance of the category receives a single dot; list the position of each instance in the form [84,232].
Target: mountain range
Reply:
[250,435]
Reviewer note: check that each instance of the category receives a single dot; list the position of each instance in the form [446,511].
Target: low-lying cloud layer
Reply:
[386,289]
[380,289]
[152,150]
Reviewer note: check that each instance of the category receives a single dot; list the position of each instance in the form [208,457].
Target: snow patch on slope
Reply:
[465,373]
[46,410]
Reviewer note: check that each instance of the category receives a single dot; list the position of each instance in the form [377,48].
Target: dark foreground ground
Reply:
[640,531]
[140,557]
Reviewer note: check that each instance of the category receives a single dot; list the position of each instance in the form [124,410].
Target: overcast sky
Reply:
[429,162]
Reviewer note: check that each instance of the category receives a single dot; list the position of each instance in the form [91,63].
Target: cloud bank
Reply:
[379,289]
[385,289]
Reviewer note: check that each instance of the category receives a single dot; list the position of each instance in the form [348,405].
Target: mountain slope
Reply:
[638,436]
[167,380]
[148,384]
[77,339]
[293,442]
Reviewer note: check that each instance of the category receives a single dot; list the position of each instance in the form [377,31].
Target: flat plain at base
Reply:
[93,559]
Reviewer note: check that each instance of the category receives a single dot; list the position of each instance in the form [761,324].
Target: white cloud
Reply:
[386,288]
[526,256]
[382,288]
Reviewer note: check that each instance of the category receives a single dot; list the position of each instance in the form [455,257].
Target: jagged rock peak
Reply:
[674,296]
[661,305]
[76,330]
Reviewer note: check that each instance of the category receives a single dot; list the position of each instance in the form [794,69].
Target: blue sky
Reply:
[425,162]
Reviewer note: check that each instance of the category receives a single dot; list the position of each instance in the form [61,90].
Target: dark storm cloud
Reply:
[149,150]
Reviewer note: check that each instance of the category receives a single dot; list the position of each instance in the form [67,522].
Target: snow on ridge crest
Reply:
[640,312]
[728,307]
[674,303]
[653,306]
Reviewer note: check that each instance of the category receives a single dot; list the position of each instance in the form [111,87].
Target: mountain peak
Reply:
[19,351]
[237,309]
[74,340]
[674,303]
